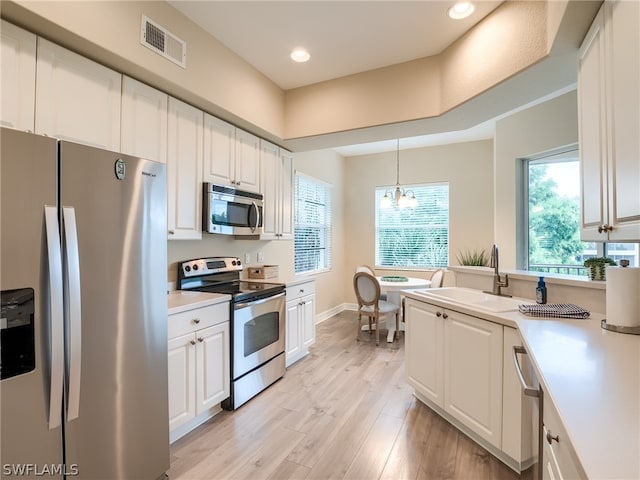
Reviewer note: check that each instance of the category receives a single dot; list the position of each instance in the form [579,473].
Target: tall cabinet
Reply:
[184,171]
[277,188]
[609,102]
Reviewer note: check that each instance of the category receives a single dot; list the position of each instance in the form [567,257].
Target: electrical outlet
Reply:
[247,258]
[260,257]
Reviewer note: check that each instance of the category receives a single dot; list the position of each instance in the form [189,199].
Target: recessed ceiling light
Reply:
[461,10]
[300,55]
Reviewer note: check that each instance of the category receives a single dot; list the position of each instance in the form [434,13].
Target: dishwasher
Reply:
[537,395]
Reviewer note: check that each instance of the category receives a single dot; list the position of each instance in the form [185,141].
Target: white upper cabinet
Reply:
[277,187]
[144,121]
[219,151]
[76,98]
[232,156]
[609,102]
[18,77]
[247,161]
[184,171]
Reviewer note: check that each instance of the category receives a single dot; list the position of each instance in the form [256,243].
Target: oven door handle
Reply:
[238,306]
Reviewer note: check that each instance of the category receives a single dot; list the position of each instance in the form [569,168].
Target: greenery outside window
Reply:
[552,199]
[312,223]
[415,237]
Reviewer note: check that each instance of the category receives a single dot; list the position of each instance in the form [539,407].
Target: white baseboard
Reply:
[327,314]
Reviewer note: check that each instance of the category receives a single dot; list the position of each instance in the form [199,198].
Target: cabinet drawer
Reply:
[297,291]
[557,441]
[197,319]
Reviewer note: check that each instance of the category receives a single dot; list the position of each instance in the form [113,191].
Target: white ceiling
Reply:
[344,38]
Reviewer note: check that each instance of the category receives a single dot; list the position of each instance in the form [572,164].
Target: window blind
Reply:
[414,237]
[312,218]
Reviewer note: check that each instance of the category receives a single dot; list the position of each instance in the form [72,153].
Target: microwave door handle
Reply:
[254,227]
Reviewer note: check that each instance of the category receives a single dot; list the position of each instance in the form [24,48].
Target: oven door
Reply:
[258,333]
[232,214]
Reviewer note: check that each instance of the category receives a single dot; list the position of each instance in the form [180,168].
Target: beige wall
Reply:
[468,167]
[539,129]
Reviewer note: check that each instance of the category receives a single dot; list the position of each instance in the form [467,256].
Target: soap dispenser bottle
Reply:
[541,291]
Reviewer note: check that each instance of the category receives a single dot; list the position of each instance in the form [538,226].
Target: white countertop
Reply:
[592,376]
[181,300]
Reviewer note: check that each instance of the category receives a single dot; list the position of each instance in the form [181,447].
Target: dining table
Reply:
[393,285]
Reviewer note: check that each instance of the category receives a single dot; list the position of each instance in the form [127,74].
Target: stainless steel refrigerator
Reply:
[83,356]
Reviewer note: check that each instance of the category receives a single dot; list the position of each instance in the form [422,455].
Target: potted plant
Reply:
[477,258]
[597,267]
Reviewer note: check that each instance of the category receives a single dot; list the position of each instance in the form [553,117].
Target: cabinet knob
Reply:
[200,339]
[172,232]
[605,228]
[192,342]
[551,438]
[196,321]
[444,315]
[438,314]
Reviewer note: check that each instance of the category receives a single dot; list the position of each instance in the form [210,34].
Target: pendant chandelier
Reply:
[400,198]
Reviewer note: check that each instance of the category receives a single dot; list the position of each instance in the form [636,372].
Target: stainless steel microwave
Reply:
[230,211]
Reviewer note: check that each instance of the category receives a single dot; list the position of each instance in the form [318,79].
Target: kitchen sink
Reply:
[473,298]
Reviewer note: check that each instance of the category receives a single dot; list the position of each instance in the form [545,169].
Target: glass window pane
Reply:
[417,236]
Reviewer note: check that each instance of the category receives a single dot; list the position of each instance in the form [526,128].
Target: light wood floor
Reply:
[344,411]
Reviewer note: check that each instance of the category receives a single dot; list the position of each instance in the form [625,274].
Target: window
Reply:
[553,218]
[414,237]
[312,219]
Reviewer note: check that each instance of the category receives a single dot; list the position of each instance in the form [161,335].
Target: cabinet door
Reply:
[144,121]
[270,161]
[473,374]
[592,132]
[286,195]
[423,350]
[76,99]
[293,345]
[219,151]
[623,94]
[213,366]
[17,77]
[184,171]
[308,320]
[247,161]
[182,380]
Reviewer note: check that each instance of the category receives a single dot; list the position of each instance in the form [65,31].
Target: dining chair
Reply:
[369,270]
[367,291]
[437,278]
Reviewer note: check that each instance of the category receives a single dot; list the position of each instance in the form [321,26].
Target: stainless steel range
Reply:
[257,323]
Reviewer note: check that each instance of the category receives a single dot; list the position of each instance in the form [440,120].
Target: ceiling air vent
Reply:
[163,42]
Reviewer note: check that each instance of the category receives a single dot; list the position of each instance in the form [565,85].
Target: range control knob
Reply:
[238,262]
[187,268]
[195,266]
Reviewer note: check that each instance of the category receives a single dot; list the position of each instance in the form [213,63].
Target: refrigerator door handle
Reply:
[73,311]
[56,314]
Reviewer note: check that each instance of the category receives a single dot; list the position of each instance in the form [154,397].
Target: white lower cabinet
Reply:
[473,374]
[456,364]
[559,459]
[424,349]
[300,318]
[199,369]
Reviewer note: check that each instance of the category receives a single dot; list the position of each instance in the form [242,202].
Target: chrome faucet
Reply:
[498,281]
